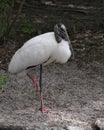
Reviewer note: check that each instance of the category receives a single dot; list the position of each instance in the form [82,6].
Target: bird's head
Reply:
[61,34]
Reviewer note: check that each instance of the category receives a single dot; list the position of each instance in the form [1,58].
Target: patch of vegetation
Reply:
[8,18]
[93,42]
[4,17]
[3,80]
[26,25]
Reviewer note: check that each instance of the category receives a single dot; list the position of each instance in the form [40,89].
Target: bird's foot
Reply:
[45,110]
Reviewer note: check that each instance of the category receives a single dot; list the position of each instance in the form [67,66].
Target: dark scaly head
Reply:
[61,34]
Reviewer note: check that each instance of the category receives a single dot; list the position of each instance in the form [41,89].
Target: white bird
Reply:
[42,50]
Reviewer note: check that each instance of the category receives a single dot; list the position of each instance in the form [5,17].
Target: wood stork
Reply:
[42,50]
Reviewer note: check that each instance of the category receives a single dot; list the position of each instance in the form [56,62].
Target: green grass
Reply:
[93,42]
[3,80]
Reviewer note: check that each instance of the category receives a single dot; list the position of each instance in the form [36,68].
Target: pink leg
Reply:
[43,110]
[35,82]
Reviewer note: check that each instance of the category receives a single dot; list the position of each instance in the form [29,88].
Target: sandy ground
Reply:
[74,91]
[75,95]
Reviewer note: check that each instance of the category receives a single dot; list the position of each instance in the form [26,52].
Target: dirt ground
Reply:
[74,91]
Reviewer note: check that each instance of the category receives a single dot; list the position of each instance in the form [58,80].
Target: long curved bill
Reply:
[71,48]
[72,51]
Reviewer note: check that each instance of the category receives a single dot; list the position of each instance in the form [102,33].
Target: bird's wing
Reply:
[34,52]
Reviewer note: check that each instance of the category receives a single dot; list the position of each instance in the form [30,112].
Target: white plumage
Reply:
[40,49]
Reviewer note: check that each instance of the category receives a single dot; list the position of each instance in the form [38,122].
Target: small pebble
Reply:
[73,128]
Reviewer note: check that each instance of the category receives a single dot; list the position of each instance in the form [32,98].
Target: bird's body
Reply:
[40,50]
